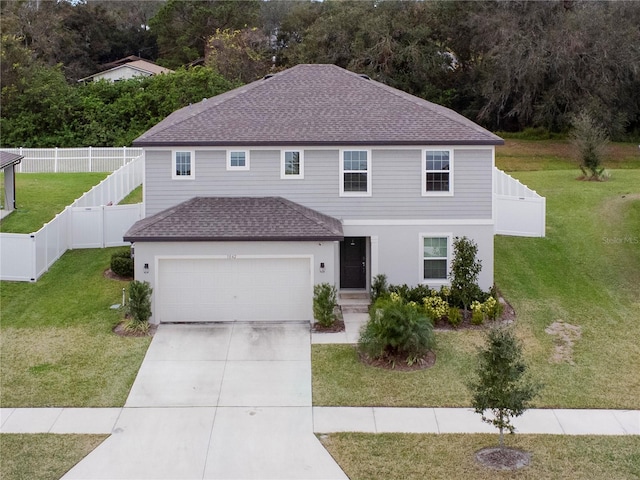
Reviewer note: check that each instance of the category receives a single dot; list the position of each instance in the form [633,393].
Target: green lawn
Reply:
[57,346]
[586,272]
[41,196]
[43,456]
[446,456]
[134,197]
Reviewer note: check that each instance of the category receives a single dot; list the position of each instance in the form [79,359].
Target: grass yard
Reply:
[533,155]
[134,197]
[43,456]
[416,457]
[41,196]
[585,273]
[57,346]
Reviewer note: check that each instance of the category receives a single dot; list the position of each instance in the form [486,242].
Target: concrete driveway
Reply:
[218,401]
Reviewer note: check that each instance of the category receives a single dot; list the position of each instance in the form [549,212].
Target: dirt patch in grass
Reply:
[108,273]
[503,458]
[566,336]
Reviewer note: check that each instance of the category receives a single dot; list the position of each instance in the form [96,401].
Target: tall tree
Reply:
[183,26]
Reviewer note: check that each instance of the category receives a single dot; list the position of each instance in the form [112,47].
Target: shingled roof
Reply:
[7,159]
[315,105]
[236,219]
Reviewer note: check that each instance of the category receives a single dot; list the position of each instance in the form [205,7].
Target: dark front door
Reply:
[353,262]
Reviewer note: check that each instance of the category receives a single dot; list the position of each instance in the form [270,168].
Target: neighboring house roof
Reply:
[315,105]
[236,219]
[7,159]
[142,66]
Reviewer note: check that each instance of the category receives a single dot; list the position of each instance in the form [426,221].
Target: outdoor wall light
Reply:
[146,268]
[322,267]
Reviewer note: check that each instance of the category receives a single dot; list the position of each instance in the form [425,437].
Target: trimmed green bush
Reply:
[122,263]
[396,331]
[324,303]
[454,316]
[411,294]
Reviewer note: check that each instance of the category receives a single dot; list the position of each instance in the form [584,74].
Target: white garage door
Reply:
[251,289]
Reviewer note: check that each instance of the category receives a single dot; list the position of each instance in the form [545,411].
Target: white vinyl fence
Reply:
[518,210]
[73,160]
[92,221]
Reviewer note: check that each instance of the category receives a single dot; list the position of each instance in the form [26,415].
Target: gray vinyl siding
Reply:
[396,183]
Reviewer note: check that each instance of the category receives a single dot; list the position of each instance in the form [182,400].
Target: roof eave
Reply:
[329,238]
[488,142]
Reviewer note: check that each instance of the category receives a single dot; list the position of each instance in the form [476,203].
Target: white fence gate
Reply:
[518,210]
[92,221]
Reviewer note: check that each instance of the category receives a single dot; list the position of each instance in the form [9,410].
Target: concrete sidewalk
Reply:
[336,419]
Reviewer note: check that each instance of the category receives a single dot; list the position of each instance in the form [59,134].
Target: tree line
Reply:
[508,65]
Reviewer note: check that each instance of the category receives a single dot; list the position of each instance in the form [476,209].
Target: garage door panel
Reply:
[205,289]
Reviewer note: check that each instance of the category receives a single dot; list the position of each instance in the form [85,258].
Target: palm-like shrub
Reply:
[396,331]
[139,308]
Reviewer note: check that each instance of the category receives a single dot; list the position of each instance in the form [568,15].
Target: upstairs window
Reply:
[292,164]
[355,173]
[437,170]
[183,167]
[238,160]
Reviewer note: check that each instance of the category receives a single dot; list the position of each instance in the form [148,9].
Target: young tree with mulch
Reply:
[501,384]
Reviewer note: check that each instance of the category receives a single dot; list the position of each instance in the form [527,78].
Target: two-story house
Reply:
[314,174]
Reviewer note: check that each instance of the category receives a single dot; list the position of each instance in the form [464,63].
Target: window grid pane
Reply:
[435,269]
[437,182]
[183,163]
[435,247]
[237,159]
[292,163]
[355,182]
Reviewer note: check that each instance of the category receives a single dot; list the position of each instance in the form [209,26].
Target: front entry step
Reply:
[354,301]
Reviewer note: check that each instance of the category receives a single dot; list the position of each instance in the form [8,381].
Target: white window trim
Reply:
[246,156]
[192,154]
[434,281]
[342,172]
[423,174]
[283,175]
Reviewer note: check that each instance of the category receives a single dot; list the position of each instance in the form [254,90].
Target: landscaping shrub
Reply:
[396,331]
[122,263]
[139,308]
[454,316]
[591,141]
[477,314]
[435,306]
[411,294]
[324,303]
[379,287]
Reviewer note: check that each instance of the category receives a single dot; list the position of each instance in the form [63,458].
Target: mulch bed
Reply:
[503,458]
[399,363]
[337,326]
[121,332]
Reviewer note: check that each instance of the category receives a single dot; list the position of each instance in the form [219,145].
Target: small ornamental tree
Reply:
[501,384]
[591,142]
[465,268]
